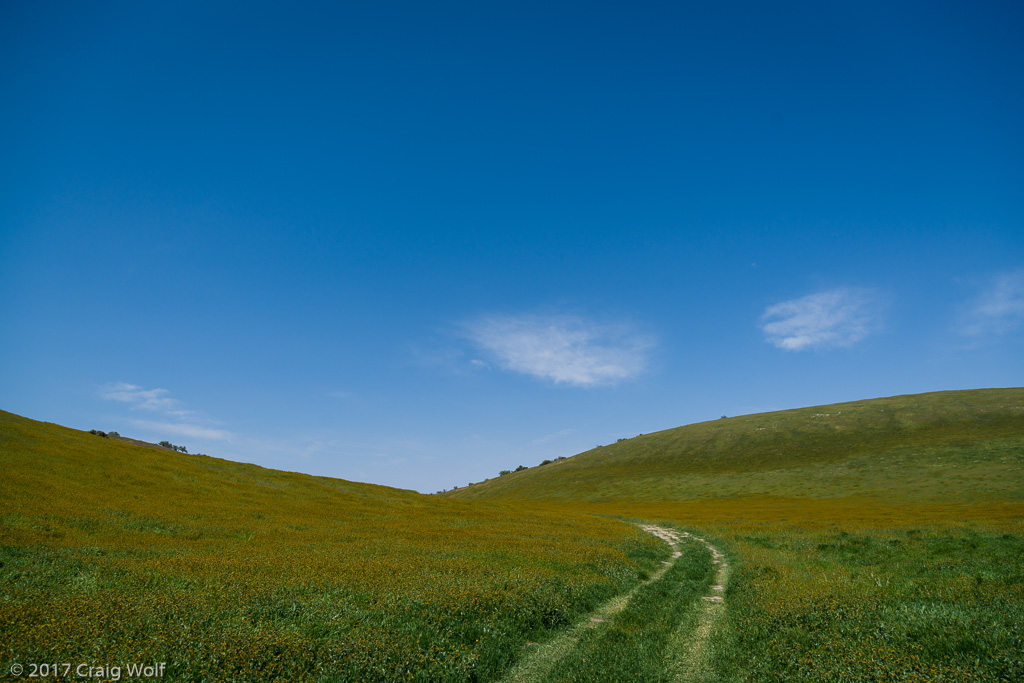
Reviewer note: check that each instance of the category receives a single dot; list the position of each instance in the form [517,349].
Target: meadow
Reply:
[878,540]
[900,604]
[113,553]
[942,446]
[853,592]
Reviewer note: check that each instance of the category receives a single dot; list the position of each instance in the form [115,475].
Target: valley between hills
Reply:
[880,539]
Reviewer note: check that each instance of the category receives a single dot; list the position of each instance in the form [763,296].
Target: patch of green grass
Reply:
[943,446]
[938,605]
[873,541]
[113,552]
[635,644]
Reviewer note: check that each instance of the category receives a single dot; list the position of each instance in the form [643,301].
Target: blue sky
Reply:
[418,243]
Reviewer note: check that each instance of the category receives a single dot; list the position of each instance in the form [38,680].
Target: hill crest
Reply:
[920,446]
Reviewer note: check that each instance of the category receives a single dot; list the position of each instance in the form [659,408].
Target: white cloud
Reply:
[564,349]
[838,317]
[999,308]
[146,399]
[178,421]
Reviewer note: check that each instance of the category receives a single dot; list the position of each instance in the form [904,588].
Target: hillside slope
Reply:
[942,446]
[871,540]
[116,552]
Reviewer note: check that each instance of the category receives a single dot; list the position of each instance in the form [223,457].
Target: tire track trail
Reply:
[543,657]
[690,656]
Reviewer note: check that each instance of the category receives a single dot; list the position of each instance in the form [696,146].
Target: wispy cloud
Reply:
[177,420]
[999,308]
[147,399]
[838,317]
[564,349]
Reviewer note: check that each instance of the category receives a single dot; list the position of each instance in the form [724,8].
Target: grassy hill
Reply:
[943,446]
[118,552]
[871,540]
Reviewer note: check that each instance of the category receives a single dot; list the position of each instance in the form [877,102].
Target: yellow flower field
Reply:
[115,553]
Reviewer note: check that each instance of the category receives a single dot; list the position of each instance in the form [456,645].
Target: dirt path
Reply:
[542,657]
[690,657]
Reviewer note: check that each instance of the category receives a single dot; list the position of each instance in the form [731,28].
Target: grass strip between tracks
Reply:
[629,637]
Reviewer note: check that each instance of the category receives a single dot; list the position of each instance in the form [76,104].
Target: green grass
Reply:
[868,541]
[111,552]
[878,540]
[635,645]
[875,605]
[944,446]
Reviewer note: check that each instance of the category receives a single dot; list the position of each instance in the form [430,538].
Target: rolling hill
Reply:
[871,540]
[953,446]
[119,552]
